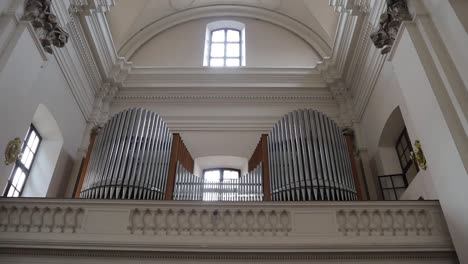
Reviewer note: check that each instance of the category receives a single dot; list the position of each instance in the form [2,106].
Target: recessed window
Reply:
[225,44]
[218,182]
[404,149]
[23,165]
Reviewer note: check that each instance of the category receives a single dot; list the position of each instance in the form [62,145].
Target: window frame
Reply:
[19,164]
[225,43]
[409,161]
[392,187]
[222,169]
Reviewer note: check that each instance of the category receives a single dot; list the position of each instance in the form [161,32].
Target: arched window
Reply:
[213,177]
[225,44]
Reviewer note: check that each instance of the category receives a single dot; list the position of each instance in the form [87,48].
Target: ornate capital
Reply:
[38,12]
[384,36]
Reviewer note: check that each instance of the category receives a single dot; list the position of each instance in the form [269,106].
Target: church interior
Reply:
[233,131]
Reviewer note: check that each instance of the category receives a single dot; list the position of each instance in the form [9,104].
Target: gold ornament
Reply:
[419,155]
[13,151]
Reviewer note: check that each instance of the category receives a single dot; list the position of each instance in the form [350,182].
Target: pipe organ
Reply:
[308,159]
[194,188]
[130,158]
[303,158]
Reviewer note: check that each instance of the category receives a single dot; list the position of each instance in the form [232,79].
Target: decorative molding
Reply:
[394,222]
[13,151]
[128,225]
[390,21]
[46,26]
[202,222]
[48,219]
[77,256]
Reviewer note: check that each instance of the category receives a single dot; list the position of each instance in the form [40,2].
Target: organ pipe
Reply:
[130,158]
[308,160]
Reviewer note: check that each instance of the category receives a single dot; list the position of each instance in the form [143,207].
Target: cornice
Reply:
[350,68]
[208,77]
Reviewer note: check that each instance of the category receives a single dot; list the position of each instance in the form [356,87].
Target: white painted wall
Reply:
[436,125]
[25,82]
[385,98]
[267,45]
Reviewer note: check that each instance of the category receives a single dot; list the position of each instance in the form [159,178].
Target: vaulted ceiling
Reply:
[128,18]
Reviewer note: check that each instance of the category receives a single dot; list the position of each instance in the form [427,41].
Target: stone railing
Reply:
[194,226]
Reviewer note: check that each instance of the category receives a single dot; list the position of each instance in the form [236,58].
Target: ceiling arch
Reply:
[305,32]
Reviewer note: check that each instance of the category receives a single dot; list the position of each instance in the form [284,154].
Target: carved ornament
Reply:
[389,25]
[13,151]
[45,24]
[418,155]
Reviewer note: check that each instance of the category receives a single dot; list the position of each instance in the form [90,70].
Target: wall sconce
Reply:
[13,151]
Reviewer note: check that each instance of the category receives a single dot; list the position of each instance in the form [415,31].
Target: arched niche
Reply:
[387,159]
[44,170]
[266,45]
[148,32]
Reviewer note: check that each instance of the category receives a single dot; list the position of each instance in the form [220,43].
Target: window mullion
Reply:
[225,47]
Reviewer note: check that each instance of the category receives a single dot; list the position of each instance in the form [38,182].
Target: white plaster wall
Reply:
[435,124]
[385,98]
[267,45]
[25,82]
[452,30]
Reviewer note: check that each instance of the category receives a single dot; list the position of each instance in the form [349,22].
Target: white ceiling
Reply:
[128,17]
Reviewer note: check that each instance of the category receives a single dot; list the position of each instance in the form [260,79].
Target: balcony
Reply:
[307,230]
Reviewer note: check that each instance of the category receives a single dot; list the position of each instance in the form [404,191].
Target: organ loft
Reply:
[233,131]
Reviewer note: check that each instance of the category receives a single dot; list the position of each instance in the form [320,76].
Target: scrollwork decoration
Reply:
[45,24]
[13,151]
[384,36]
[418,155]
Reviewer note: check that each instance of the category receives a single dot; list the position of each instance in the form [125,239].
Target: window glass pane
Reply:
[403,162]
[10,192]
[403,142]
[389,194]
[35,144]
[16,177]
[217,36]
[217,62]
[27,164]
[31,140]
[230,175]
[232,62]
[217,50]
[213,175]
[233,50]
[25,155]
[398,181]
[407,154]
[386,182]
[233,36]
[400,192]
[16,194]
[400,150]
[21,179]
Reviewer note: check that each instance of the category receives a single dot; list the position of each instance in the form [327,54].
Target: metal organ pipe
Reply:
[308,161]
[130,158]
